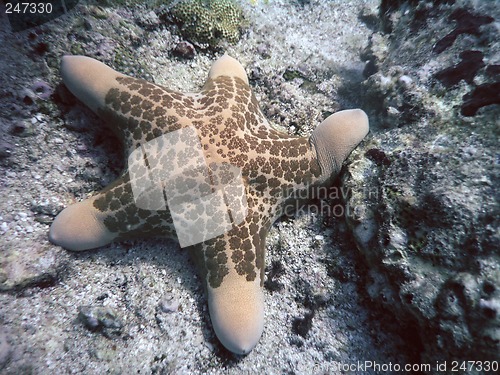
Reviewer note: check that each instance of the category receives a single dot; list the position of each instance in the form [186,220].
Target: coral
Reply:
[208,21]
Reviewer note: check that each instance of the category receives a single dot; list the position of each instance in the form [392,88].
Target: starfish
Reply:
[208,169]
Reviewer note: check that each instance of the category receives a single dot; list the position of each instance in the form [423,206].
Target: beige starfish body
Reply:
[214,148]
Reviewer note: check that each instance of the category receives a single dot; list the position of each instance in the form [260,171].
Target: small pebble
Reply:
[185,50]
[5,149]
[44,219]
[405,81]
[168,304]
[263,49]
[81,147]
[101,319]
[469,152]
[59,167]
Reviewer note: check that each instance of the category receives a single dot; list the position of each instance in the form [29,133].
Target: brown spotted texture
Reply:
[232,131]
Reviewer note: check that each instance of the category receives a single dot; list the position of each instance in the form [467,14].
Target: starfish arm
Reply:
[232,267]
[110,215]
[80,227]
[336,137]
[88,79]
[228,67]
[236,310]
[136,110]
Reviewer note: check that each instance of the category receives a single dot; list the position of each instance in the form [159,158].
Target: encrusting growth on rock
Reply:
[205,168]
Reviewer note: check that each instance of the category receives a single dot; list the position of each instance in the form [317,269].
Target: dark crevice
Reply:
[472,62]
[481,96]
[467,23]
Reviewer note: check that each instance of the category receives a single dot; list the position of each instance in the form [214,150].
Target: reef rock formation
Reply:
[424,209]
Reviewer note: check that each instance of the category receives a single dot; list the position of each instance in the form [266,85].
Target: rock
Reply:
[185,50]
[370,14]
[423,210]
[76,120]
[104,351]
[37,266]
[466,23]
[472,62]
[168,304]
[274,271]
[44,219]
[375,53]
[100,319]
[302,325]
[378,156]
[99,12]
[6,149]
[47,207]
